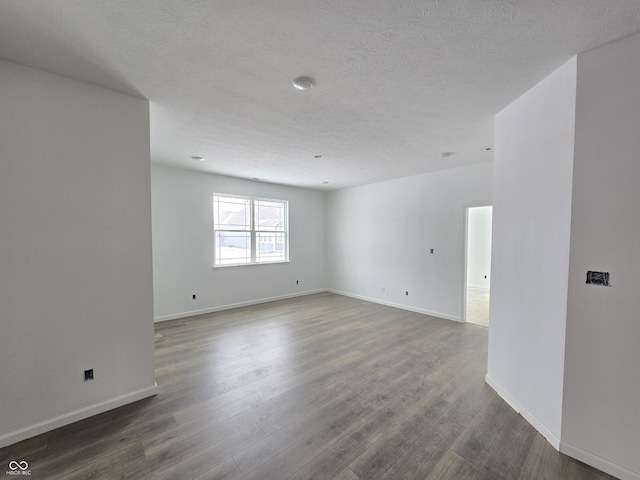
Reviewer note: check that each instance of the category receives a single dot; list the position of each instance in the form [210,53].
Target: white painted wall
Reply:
[601,413]
[479,247]
[75,251]
[379,237]
[183,245]
[533,162]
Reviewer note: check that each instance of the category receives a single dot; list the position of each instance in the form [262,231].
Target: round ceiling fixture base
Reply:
[304,83]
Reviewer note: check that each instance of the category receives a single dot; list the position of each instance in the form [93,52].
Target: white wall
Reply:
[533,162]
[479,247]
[183,245]
[75,251]
[379,237]
[601,417]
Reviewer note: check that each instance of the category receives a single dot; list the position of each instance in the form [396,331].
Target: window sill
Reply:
[231,265]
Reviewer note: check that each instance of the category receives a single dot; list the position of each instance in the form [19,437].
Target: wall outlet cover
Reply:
[598,278]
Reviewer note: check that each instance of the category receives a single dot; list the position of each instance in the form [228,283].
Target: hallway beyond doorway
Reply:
[478,306]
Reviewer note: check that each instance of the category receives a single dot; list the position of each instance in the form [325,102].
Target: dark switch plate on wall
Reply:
[598,278]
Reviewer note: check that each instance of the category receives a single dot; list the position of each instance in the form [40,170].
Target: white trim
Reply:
[193,313]
[566,448]
[465,264]
[598,462]
[535,422]
[231,265]
[71,417]
[203,311]
[396,305]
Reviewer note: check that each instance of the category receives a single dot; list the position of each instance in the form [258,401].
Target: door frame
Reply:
[465,249]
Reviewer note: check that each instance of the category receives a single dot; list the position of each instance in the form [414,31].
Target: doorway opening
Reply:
[477,278]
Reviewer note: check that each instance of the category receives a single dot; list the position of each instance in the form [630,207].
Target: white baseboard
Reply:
[526,414]
[204,311]
[397,305]
[598,462]
[193,313]
[71,417]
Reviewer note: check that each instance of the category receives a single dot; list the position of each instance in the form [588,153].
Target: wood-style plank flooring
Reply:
[316,387]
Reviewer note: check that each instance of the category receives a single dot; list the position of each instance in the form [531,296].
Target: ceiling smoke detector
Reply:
[304,83]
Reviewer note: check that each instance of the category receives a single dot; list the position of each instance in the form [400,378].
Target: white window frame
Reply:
[253,231]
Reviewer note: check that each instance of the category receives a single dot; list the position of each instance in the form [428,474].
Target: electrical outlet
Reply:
[431,250]
[88,375]
[598,278]
[193,296]
[297,282]
[406,293]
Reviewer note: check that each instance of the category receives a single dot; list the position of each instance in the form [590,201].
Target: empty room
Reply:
[237,240]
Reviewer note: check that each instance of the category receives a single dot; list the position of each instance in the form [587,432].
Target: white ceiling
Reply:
[398,81]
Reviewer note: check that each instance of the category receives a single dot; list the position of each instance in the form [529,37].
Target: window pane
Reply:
[233,248]
[249,231]
[271,247]
[269,216]
[231,213]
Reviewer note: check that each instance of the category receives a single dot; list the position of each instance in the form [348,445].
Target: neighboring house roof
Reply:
[270,217]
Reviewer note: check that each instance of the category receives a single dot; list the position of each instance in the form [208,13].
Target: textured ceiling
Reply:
[398,81]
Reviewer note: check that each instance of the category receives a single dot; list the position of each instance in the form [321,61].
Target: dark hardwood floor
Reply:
[316,387]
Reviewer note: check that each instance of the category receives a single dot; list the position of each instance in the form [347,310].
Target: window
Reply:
[249,230]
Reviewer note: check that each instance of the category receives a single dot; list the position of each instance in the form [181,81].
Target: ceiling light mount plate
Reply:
[304,83]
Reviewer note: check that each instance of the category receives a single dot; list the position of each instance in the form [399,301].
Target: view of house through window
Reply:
[249,230]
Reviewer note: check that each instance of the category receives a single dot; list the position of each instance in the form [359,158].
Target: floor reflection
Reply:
[478,306]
